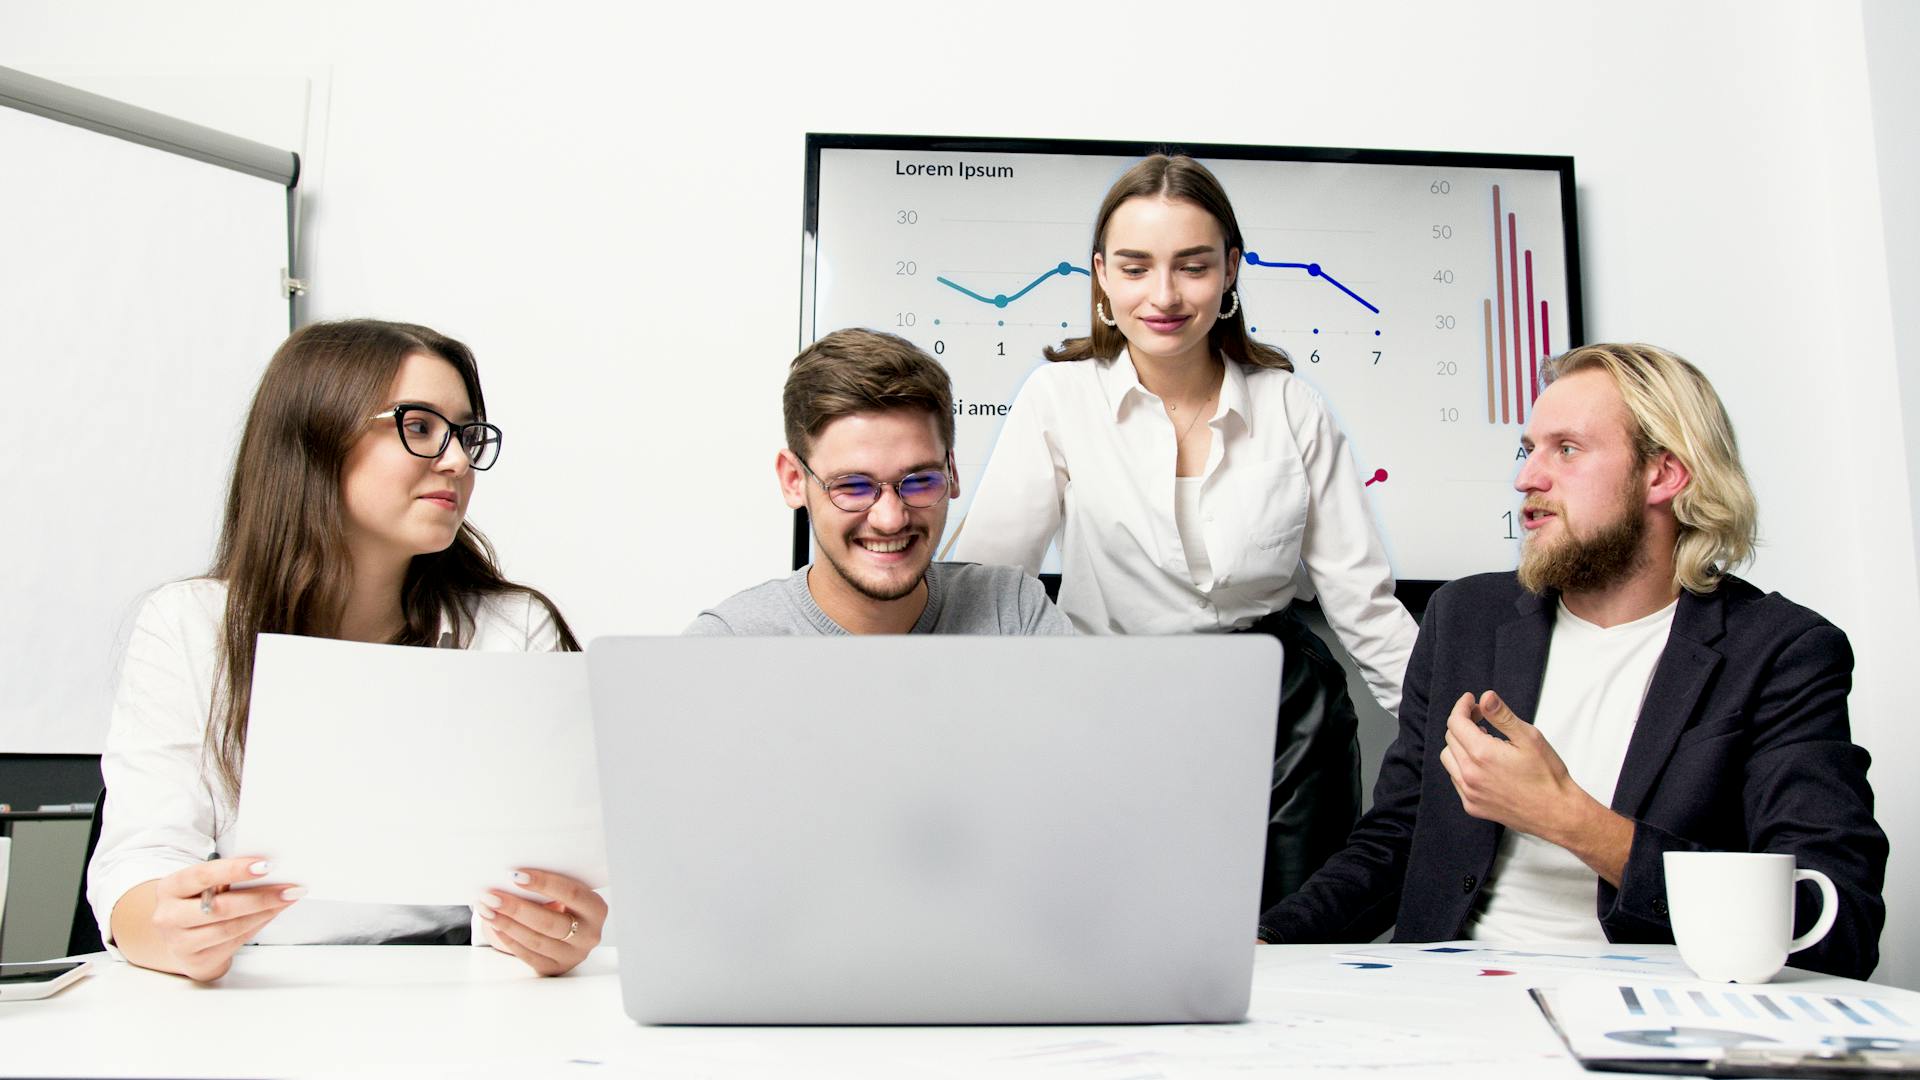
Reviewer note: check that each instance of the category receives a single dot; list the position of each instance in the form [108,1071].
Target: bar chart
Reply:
[1516,394]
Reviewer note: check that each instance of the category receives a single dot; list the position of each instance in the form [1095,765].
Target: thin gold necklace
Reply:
[1197,413]
[1195,422]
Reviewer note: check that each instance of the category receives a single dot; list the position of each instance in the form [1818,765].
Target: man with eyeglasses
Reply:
[869,455]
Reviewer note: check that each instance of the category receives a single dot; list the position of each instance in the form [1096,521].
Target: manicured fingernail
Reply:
[485,911]
[259,868]
[294,893]
[521,877]
[489,900]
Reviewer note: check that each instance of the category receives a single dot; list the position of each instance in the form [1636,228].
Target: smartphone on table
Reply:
[24,982]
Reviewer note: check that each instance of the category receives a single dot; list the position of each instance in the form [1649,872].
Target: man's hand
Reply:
[1517,780]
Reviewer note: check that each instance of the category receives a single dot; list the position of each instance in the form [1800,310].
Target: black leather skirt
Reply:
[1315,798]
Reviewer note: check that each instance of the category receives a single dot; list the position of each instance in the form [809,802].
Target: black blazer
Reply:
[1742,745]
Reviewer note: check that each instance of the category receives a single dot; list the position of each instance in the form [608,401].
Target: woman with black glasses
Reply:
[345,518]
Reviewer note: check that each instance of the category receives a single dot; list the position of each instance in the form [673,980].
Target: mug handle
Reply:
[1829,909]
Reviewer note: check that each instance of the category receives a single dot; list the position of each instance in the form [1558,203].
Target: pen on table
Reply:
[206,895]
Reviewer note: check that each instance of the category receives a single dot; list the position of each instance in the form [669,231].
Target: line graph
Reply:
[1313,269]
[1001,300]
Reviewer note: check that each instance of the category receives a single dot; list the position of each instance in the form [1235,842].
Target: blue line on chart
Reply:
[1314,270]
[1002,299]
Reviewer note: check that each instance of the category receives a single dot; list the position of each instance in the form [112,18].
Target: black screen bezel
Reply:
[1412,592]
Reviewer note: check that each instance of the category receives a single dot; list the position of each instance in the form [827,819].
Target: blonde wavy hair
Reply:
[1675,409]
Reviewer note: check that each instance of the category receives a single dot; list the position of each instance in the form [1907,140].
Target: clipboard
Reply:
[1701,1030]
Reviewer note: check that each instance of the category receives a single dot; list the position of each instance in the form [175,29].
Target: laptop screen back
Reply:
[935,829]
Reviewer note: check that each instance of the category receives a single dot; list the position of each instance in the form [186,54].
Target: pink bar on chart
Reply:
[1486,319]
[1500,298]
[1519,392]
[1533,363]
[1546,347]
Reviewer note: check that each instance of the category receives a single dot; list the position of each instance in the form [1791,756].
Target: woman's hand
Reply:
[191,923]
[551,938]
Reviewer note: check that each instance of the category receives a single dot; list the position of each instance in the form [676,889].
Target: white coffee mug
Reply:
[1732,912]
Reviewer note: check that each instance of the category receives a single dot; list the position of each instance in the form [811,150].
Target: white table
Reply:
[412,1010]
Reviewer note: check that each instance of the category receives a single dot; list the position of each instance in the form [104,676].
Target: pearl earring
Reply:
[1229,313]
[1100,309]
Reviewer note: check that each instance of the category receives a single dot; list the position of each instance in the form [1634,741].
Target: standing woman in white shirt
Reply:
[345,518]
[1193,480]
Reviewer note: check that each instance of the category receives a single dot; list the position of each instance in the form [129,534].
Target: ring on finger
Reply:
[573,927]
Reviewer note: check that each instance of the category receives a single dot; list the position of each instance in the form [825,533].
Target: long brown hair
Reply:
[283,547]
[1173,177]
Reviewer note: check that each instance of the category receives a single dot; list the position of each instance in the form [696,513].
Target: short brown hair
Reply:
[857,371]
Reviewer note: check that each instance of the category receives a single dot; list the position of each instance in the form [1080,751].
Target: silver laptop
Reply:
[935,830]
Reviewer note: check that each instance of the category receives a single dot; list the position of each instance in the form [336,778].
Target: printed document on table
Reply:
[388,774]
[1776,1026]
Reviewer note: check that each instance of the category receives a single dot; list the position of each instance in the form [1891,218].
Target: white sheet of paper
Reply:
[1302,1044]
[387,774]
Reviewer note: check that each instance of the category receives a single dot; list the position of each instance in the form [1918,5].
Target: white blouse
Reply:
[163,809]
[1088,449]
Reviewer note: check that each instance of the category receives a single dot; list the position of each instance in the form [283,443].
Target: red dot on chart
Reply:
[1378,476]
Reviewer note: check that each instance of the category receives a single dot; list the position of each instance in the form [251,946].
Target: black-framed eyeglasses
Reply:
[856,493]
[425,433]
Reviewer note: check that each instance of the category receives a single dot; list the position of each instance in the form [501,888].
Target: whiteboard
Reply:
[139,302]
[1387,276]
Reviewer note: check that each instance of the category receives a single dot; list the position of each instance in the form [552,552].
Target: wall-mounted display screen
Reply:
[1419,291]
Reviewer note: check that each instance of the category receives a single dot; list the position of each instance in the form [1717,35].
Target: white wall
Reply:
[1892,29]
[604,203]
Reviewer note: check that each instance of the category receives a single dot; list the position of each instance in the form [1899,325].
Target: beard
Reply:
[876,590]
[1578,564]
[872,587]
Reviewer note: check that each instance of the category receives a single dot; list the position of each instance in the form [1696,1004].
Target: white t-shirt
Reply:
[1590,698]
[1090,450]
[163,811]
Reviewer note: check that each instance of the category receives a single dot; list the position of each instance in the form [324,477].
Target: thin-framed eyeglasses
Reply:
[856,493]
[425,433]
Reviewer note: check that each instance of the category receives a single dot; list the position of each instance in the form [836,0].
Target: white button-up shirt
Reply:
[1088,449]
[164,811]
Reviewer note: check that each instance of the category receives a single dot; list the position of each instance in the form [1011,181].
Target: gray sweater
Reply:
[962,598]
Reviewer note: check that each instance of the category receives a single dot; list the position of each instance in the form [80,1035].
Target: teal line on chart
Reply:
[1002,299]
[1314,270]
